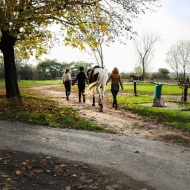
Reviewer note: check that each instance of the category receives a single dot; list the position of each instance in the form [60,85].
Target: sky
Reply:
[171,21]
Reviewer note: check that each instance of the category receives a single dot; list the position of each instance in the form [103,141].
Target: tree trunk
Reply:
[7,47]
[143,75]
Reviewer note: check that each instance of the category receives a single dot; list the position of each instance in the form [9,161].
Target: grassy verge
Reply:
[173,118]
[37,110]
[32,83]
[147,88]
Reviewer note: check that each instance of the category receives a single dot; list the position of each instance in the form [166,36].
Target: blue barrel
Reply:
[157,91]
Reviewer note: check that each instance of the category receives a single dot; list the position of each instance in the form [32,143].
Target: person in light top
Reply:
[67,82]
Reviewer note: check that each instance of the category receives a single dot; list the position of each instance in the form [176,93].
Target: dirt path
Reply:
[121,121]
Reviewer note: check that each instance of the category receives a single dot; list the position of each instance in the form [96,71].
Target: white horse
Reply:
[97,83]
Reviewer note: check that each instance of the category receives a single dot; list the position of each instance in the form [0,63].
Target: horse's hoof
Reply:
[93,104]
[101,110]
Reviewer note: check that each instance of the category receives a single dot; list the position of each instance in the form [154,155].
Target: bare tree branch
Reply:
[145,48]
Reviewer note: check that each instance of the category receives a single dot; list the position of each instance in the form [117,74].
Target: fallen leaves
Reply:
[68,188]
[43,161]
[170,142]
[8,179]
[24,163]
[73,176]
[45,138]
[63,165]
[79,186]
[38,171]
[5,188]
[18,172]
[42,171]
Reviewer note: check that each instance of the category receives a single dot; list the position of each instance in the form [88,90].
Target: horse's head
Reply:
[88,72]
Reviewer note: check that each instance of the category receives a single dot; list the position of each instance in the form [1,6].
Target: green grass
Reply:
[173,118]
[147,88]
[142,88]
[41,111]
[32,83]
[36,108]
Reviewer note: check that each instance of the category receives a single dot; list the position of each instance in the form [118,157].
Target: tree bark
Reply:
[7,47]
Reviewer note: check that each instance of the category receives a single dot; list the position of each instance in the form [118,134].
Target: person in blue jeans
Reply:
[82,80]
[67,82]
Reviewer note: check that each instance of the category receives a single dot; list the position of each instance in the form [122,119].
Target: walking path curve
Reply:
[160,165]
[135,149]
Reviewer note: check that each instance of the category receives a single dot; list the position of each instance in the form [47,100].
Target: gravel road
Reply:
[161,165]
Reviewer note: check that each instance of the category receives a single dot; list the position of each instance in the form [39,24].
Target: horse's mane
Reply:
[97,66]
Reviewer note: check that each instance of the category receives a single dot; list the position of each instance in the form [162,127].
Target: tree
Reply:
[138,70]
[98,52]
[163,73]
[1,69]
[26,25]
[49,69]
[74,66]
[26,72]
[145,48]
[101,39]
[172,60]
[20,65]
[178,57]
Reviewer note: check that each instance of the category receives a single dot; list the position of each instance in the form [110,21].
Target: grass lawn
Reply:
[42,111]
[143,88]
[173,118]
[145,92]
[32,83]
[38,110]
[35,109]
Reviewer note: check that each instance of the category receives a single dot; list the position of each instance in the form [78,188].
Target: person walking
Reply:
[115,79]
[67,82]
[82,80]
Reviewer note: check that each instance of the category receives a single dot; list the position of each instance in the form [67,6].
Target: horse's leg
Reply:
[93,100]
[100,101]
[101,95]
[98,90]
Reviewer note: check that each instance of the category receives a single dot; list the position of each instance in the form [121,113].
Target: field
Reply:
[35,108]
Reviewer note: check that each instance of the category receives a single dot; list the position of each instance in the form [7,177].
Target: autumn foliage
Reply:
[33,26]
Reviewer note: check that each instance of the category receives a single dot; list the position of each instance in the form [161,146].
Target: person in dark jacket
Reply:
[82,80]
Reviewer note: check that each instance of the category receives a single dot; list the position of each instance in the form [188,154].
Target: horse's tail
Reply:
[92,86]
[91,89]
[99,80]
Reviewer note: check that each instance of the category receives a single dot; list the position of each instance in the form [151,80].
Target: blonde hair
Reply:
[115,71]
